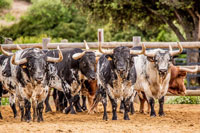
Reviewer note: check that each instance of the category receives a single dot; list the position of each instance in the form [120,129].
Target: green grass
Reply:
[184,100]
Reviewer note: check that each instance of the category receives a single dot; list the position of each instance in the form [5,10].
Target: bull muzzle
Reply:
[162,72]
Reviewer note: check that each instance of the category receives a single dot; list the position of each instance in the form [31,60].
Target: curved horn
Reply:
[149,54]
[181,68]
[18,47]
[170,47]
[78,55]
[56,60]
[136,52]
[5,52]
[104,51]
[175,52]
[86,45]
[18,62]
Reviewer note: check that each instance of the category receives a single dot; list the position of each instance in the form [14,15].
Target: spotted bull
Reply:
[116,77]
[31,80]
[76,66]
[154,72]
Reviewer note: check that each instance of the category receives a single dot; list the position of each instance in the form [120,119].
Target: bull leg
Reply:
[114,108]
[84,107]
[126,107]
[152,103]
[27,110]
[132,110]
[161,103]
[77,103]
[12,104]
[1,92]
[61,101]
[48,107]
[21,106]
[34,104]
[121,108]
[142,101]
[55,98]
[71,107]
[40,108]
[104,102]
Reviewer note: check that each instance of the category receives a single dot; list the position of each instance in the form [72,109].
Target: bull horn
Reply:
[86,45]
[78,55]
[149,54]
[181,68]
[104,51]
[170,47]
[18,62]
[176,52]
[136,52]
[56,60]
[18,47]
[5,52]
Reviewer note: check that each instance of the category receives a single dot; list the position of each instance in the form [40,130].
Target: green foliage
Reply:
[5,4]
[185,100]
[4,101]
[52,18]
[8,17]
[146,15]
[34,39]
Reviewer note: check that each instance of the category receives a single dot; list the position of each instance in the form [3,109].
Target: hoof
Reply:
[72,112]
[161,114]
[153,115]
[114,118]
[67,110]
[48,110]
[126,118]
[79,110]
[84,108]
[105,118]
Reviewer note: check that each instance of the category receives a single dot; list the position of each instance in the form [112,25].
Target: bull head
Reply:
[162,58]
[49,59]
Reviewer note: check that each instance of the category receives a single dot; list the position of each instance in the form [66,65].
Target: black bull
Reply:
[116,76]
[72,71]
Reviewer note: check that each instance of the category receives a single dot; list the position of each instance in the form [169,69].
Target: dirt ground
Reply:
[178,118]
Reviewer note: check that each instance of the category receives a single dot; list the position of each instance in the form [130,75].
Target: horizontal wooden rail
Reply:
[94,45]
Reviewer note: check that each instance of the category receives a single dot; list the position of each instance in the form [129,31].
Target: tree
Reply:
[182,16]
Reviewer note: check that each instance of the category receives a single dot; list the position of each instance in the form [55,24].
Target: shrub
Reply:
[185,100]
[52,18]
[5,4]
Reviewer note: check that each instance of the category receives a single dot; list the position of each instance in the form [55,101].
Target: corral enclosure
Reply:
[178,118]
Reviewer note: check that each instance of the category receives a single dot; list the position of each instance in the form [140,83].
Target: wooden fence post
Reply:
[100,35]
[45,42]
[136,40]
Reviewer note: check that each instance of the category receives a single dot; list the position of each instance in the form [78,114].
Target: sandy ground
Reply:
[178,118]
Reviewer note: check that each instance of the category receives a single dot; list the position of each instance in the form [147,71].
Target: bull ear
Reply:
[109,57]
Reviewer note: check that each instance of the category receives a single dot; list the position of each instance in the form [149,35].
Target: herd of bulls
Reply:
[119,74]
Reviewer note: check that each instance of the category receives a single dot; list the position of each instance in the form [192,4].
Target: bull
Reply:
[176,83]
[31,80]
[69,75]
[154,72]
[116,77]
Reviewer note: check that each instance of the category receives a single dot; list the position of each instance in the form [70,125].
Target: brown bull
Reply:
[176,84]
